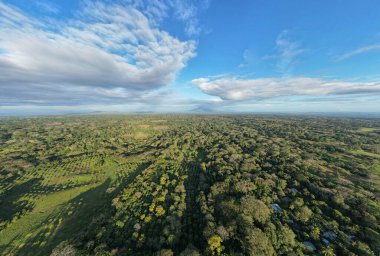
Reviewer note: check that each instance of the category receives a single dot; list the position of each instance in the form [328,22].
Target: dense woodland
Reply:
[189,185]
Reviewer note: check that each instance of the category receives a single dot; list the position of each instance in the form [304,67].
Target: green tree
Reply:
[257,243]
[315,232]
[215,244]
[160,211]
[255,208]
[328,251]
[303,214]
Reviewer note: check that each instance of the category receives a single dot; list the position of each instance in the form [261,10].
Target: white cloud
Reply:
[365,49]
[188,12]
[287,53]
[108,47]
[185,11]
[155,10]
[236,89]
[47,7]
[248,59]
[13,18]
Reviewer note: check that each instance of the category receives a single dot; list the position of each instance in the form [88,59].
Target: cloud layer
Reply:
[236,89]
[107,51]
[287,53]
[185,11]
[365,49]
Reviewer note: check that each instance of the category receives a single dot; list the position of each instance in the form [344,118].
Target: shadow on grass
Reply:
[193,221]
[10,203]
[67,224]
[81,219]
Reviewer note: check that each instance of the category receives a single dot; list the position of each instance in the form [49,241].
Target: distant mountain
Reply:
[203,109]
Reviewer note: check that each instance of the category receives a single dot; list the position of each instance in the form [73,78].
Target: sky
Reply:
[243,56]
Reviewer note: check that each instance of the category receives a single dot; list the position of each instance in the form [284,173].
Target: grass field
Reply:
[367,130]
[365,153]
[64,194]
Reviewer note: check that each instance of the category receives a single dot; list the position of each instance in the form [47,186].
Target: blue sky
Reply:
[189,55]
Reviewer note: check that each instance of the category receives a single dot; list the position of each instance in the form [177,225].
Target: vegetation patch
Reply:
[189,185]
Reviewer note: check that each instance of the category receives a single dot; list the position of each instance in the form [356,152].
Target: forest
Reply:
[189,185]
